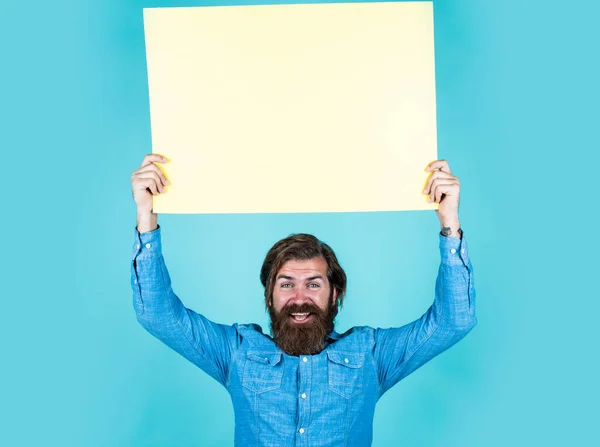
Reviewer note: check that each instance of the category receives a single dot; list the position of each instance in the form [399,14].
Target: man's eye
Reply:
[314,284]
[286,284]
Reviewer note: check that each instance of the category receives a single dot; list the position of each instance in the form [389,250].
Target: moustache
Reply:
[301,308]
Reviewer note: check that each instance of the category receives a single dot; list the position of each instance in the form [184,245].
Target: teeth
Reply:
[300,316]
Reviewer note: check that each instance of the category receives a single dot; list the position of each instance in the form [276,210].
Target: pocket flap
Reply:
[267,358]
[346,359]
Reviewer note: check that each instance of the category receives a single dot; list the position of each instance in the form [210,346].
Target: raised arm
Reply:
[400,351]
[158,309]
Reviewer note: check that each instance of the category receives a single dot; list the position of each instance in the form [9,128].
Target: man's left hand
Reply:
[444,188]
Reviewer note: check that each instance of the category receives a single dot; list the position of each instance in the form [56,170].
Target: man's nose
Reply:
[301,296]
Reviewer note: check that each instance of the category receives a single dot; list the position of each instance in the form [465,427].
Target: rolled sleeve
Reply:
[145,264]
[456,282]
[146,245]
[453,250]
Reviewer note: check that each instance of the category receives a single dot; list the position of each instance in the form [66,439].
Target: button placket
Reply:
[304,381]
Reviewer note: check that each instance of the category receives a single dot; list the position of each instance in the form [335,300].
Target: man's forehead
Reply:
[301,268]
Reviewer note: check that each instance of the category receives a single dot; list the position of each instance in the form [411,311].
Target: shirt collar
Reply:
[334,335]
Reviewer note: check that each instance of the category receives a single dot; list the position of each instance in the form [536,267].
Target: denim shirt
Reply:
[327,399]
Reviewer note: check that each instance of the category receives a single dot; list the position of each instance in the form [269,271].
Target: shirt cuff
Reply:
[146,245]
[454,250]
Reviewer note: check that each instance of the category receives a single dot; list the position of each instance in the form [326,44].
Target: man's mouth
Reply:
[300,316]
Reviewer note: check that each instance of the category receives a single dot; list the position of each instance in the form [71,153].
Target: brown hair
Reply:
[301,246]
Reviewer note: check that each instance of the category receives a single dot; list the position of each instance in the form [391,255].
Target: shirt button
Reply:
[303,395]
[301,430]
[138,245]
[148,245]
[346,360]
[453,251]
[135,281]
[304,359]
[463,251]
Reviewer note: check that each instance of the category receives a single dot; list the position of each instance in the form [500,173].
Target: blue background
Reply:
[518,120]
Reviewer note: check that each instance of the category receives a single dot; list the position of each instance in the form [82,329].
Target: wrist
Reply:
[450,228]
[146,221]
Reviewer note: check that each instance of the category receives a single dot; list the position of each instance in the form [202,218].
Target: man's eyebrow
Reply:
[292,278]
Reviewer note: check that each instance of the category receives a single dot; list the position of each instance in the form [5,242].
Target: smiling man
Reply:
[302,280]
[306,385]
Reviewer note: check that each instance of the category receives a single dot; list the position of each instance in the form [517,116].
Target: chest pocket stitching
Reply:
[345,373]
[262,371]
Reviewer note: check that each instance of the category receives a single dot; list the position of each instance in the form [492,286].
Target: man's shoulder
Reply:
[356,338]
[248,327]
[358,330]
[253,335]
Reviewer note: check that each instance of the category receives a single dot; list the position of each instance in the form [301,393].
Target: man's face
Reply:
[303,306]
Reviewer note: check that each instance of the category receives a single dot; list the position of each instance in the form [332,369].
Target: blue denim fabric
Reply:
[319,400]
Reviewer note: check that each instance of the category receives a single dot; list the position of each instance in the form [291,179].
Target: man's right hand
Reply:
[147,182]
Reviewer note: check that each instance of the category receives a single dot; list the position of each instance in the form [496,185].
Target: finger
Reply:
[442,165]
[153,167]
[442,188]
[150,158]
[150,184]
[436,185]
[154,176]
[435,175]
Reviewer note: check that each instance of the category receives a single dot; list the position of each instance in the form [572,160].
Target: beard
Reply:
[302,338]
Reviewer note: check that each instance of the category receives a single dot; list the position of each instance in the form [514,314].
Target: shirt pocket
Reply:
[345,373]
[262,371]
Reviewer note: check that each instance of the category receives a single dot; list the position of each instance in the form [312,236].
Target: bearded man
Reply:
[307,385]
